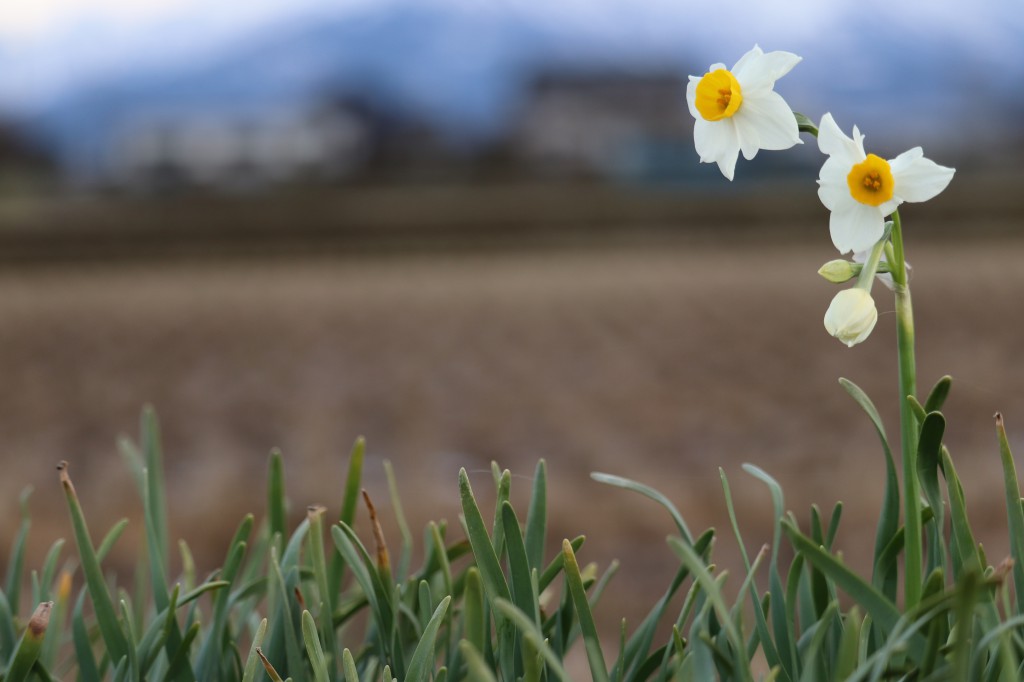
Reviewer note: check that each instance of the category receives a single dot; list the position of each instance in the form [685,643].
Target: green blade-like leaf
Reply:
[929,448]
[917,408]
[591,640]
[503,490]
[276,503]
[441,555]
[649,492]
[348,665]
[964,547]
[133,659]
[211,651]
[635,657]
[156,634]
[403,526]
[155,498]
[88,671]
[811,653]
[7,634]
[253,659]
[110,539]
[422,662]
[530,631]
[782,627]
[536,518]
[27,652]
[483,550]
[50,569]
[555,565]
[1013,510]
[103,604]
[848,656]
[180,660]
[882,611]
[477,669]
[964,602]
[316,653]
[937,398]
[284,620]
[711,591]
[519,568]
[474,620]
[494,583]
[16,562]
[364,570]
[771,653]
[350,500]
[319,563]
[889,518]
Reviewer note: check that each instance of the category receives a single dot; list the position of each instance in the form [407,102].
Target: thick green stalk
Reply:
[908,421]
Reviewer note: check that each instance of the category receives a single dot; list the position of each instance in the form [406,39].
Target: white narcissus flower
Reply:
[851,316]
[737,110]
[862,189]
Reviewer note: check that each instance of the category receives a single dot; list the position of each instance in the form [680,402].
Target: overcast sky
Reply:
[49,45]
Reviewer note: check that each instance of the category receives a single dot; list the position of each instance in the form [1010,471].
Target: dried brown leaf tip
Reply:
[299,598]
[314,510]
[383,561]
[65,479]
[999,420]
[1002,570]
[40,619]
[267,665]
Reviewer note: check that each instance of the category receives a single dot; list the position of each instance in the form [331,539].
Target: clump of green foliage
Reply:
[314,603]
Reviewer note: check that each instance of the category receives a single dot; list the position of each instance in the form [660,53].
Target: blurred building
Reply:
[238,150]
[21,159]
[600,123]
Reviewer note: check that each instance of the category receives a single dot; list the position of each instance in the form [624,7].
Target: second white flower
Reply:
[862,189]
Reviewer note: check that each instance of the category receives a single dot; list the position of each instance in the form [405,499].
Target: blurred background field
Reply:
[476,232]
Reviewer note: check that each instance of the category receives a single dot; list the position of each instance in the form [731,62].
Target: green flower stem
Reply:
[805,125]
[866,276]
[908,421]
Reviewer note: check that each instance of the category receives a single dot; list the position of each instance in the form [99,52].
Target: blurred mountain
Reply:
[466,73]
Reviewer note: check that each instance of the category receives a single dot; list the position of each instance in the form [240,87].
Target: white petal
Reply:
[856,227]
[835,197]
[916,178]
[759,72]
[888,207]
[773,120]
[691,96]
[832,141]
[742,63]
[833,188]
[747,134]
[716,141]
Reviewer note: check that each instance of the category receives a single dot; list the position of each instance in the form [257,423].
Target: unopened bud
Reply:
[839,270]
[851,316]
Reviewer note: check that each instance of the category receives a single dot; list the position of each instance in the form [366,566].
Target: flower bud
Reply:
[839,271]
[851,316]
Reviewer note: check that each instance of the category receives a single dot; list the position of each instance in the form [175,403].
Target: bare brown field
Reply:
[661,363]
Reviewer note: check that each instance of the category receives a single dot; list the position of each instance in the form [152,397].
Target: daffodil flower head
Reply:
[738,110]
[862,189]
[851,316]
